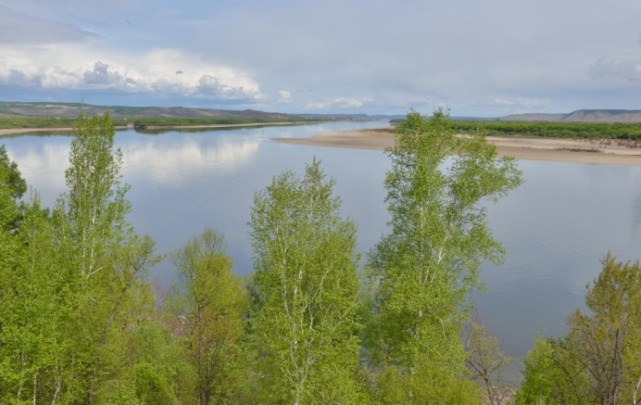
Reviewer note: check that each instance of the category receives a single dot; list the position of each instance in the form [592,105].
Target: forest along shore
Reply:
[608,151]
[19,131]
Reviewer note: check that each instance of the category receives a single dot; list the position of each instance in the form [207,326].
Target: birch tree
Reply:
[425,267]
[305,290]
[33,306]
[105,257]
[71,282]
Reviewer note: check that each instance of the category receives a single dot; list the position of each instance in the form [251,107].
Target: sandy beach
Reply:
[558,150]
[19,131]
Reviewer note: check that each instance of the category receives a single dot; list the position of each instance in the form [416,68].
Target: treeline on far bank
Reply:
[576,130]
[580,130]
[142,122]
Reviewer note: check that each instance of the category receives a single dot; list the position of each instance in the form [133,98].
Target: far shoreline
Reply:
[25,131]
[593,151]
[603,151]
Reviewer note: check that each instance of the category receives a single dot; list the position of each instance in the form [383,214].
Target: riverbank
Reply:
[608,151]
[22,131]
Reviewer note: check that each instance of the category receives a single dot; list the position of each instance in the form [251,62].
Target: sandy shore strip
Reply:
[19,131]
[607,151]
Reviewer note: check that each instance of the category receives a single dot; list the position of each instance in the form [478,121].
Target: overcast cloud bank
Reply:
[476,58]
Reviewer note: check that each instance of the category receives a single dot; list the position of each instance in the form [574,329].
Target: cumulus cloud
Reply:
[101,75]
[518,102]
[78,67]
[341,102]
[284,97]
[476,57]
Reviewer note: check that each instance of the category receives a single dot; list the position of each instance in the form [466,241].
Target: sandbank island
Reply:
[606,151]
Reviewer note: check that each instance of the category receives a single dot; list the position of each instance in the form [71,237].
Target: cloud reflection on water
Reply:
[170,163]
[158,162]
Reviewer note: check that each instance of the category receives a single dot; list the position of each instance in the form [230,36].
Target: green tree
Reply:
[12,188]
[10,175]
[552,376]
[425,267]
[31,364]
[599,357]
[305,291]
[210,310]
[106,256]
[70,280]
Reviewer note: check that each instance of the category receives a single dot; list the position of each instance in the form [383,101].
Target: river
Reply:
[555,227]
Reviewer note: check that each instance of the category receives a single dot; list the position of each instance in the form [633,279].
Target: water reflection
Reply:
[42,162]
[170,162]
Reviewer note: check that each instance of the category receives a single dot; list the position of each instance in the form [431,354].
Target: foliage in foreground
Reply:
[598,361]
[305,293]
[424,268]
[72,290]
[79,322]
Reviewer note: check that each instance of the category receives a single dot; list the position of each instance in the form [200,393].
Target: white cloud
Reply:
[284,97]
[341,102]
[464,53]
[81,67]
[519,102]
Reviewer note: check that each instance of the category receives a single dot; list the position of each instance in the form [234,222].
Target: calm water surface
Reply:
[555,227]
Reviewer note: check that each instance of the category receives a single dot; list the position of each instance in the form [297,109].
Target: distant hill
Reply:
[604,116]
[72,110]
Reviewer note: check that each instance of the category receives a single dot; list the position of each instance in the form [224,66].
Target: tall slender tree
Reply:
[305,290]
[426,265]
[211,305]
[107,256]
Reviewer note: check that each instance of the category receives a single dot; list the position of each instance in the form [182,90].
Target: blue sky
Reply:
[480,58]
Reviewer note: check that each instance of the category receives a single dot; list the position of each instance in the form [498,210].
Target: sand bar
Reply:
[558,150]
[19,131]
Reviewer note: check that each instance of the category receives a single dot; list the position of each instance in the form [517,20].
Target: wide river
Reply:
[555,228]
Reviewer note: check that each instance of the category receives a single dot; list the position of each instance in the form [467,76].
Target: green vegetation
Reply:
[207,312]
[140,122]
[424,269]
[80,323]
[598,361]
[551,129]
[144,122]
[305,294]
[46,122]
[72,287]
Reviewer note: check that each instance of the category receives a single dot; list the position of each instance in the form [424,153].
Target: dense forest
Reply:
[142,122]
[81,324]
[577,130]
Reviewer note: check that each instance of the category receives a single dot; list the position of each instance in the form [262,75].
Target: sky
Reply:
[475,58]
